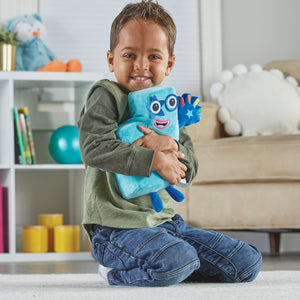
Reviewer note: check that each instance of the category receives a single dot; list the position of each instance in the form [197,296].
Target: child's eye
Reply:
[153,56]
[130,55]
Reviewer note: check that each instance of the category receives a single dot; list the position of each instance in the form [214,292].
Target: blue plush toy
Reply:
[32,52]
[161,110]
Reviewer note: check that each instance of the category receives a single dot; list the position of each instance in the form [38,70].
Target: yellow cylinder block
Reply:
[50,221]
[67,238]
[35,239]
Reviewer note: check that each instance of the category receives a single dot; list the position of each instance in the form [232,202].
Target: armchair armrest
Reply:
[209,127]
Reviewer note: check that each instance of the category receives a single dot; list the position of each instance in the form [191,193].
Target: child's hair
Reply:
[146,10]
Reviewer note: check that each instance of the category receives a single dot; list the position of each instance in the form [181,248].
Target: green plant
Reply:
[7,37]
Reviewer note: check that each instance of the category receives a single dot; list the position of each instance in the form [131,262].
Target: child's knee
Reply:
[174,263]
[252,264]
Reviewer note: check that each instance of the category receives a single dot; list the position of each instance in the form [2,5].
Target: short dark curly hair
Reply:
[146,10]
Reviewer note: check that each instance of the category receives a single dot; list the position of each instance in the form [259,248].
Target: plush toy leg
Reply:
[175,194]
[54,66]
[74,65]
[156,202]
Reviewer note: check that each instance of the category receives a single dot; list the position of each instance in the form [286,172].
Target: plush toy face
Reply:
[156,108]
[28,28]
[161,112]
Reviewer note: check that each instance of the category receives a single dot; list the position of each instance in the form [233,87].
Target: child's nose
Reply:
[141,64]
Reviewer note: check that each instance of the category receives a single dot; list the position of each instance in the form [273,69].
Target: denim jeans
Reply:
[171,253]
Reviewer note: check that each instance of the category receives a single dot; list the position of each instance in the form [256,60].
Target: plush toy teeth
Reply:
[161,124]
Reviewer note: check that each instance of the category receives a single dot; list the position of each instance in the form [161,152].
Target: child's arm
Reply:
[190,159]
[168,166]
[152,140]
[166,159]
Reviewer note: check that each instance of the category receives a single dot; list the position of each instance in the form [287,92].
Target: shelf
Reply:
[50,167]
[24,79]
[45,257]
[44,167]
[4,167]
[47,187]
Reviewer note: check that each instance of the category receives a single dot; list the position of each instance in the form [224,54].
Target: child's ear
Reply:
[110,60]
[170,65]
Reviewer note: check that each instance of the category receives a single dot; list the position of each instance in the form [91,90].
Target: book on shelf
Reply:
[25,139]
[25,152]
[4,241]
[19,141]
[25,111]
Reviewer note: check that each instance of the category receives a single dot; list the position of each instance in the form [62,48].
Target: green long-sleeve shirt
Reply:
[107,107]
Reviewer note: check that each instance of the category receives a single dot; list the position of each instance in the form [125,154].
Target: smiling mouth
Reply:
[140,78]
[161,124]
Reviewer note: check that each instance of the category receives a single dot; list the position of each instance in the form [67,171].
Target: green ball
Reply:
[64,145]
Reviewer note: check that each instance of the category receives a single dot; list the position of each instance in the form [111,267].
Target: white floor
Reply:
[283,262]
[271,285]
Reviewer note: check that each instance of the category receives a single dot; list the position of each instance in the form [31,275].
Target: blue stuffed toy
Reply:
[32,52]
[161,110]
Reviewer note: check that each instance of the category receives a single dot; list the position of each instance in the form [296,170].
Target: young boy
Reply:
[133,244]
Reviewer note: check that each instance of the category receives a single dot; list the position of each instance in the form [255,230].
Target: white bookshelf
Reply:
[46,187]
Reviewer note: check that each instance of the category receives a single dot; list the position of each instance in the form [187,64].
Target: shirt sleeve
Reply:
[185,145]
[99,145]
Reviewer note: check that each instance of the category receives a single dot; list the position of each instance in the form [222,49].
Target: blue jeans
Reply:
[171,253]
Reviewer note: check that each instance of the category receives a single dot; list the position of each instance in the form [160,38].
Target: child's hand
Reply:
[154,141]
[168,166]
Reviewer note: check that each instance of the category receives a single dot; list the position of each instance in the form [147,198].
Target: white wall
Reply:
[13,8]
[259,31]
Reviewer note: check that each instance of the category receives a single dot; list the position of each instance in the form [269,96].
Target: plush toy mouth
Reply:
[161,124]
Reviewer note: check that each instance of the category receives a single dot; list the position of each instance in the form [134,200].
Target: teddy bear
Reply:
[32,52]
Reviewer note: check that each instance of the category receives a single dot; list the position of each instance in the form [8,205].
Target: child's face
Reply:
[141,58]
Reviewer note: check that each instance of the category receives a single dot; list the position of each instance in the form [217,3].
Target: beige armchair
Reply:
[243,183]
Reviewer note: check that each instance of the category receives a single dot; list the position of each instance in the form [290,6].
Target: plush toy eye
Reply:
[171,102]
[155,107]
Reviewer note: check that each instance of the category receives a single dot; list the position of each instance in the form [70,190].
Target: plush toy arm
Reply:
[189,110]
[19,59]
[50,54]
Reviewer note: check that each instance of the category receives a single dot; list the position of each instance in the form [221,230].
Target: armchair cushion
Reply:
[248,159]
[246,183]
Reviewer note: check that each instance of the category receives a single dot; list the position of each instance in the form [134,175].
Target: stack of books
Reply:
[25,153]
